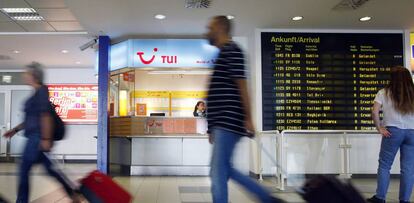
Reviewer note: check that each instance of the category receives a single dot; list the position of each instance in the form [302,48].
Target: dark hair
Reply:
[401,90]
[224,23]
[35,69]
[195,108]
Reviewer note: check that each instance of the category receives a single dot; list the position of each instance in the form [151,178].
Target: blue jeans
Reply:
[31,156]
[402,139]
[222,169]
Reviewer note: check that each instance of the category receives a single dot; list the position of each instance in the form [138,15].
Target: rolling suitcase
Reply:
[100,188]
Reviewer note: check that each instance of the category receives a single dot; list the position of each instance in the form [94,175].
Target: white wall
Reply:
[79,138]
[150,82]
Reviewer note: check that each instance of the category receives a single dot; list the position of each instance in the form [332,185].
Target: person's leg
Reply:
[29,157]
[389,148]
[56,173]
[220,164]
[250,185]
[407,166]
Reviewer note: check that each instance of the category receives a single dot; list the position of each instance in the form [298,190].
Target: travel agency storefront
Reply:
[155,126]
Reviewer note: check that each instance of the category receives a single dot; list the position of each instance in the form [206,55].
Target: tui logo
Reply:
[146,62]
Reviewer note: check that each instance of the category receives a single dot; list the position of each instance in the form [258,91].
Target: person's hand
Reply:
[9,133]
[46,145]
[249,128]
[210,138]
[384,132]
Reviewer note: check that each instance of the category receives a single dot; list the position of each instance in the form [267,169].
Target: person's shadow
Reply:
[2,200]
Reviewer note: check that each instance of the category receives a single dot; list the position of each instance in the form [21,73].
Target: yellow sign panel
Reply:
[174,94]
[412,50]
[152,94]
[188,94]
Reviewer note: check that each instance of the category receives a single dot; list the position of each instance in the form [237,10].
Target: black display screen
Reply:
[316,81]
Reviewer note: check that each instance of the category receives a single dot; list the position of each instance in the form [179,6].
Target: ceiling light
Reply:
[18,10]
[78,62]
[16,52]
[25,16]
[230,17]
[7,79]
[65,51]
[297,18]
[160,16]
[364,19]
[22,14]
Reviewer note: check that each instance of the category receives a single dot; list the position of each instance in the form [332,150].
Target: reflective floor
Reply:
[154,189]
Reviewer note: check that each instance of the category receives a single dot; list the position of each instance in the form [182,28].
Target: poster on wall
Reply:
[75,103]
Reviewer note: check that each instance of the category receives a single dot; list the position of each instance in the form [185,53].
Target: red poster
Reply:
[75,103]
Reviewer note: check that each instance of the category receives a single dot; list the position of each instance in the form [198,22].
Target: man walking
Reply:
[229,116]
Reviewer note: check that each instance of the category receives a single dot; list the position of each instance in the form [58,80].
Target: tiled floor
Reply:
[168,189]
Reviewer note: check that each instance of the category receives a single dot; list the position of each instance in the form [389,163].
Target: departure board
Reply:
[321,81]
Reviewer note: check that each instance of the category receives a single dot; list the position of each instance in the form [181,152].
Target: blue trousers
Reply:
[31,156]
[222,169]
[403,140]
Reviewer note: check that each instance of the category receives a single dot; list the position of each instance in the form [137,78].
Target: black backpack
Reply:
[59,126]
[326,189]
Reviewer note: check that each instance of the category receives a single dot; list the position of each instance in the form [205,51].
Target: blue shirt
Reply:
[37,104]
[225,109]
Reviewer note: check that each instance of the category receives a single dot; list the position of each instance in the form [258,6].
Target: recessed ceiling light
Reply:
[297,18]
[18,10]
[16,52]
[160,16]
[27,17]
[364,19]
[78,62]
[7,78]
[22,14]
[65,51]
[230,17]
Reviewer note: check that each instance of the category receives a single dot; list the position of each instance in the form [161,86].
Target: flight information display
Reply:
[325,81]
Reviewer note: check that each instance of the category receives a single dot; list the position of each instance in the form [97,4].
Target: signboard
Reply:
[162,53]
[412,51]
[75,103]
[316,81]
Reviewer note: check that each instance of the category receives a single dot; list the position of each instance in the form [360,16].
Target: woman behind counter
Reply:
[200,109]
[397,103]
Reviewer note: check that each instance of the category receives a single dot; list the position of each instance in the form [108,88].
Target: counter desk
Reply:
[155,152]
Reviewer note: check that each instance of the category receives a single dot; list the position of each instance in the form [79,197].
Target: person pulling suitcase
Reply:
[41,126]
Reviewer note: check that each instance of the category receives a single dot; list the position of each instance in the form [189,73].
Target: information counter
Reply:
[164,146]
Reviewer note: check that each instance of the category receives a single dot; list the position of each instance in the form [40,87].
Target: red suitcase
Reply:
[100,188]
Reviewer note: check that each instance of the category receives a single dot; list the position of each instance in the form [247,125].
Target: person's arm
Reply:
[376,118]
[245,100]
[14,130]
[46,120]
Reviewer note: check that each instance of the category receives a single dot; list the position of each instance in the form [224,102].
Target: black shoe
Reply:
[276,200]
[404,201]
[374,199]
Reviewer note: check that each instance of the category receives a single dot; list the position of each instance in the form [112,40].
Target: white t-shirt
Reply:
[391,116]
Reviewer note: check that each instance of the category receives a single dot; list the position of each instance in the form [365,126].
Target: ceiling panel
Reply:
[37,26]
[67,26]
[47,3]
[46,49]
[10,27]
[13,4]
[56,14]
[4,18]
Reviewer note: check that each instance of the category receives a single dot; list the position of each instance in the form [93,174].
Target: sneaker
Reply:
[374,199]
